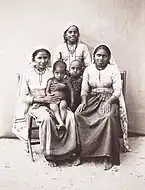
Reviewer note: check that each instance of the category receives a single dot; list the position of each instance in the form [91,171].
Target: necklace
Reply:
[71,48]
[71,51]
[40,73]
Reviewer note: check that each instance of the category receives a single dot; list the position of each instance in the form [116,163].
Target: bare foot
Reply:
[77,162]
[52,164]
[108,164]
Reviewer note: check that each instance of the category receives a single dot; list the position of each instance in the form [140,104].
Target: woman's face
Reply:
[101,58]
[72,35]
[41,60]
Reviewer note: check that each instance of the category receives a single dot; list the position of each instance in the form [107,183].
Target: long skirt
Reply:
[99,132]
[55,145]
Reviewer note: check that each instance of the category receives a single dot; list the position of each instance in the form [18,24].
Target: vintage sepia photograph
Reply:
[72,101]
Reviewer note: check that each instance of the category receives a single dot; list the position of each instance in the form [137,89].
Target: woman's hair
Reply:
[60,64]
[64,34]
[41,50]
[105,48]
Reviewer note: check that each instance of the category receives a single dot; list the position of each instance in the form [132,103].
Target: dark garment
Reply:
[99,133]
[76,85]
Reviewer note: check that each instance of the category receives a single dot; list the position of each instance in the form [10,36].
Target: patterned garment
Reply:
[107,79]
[52,144]
[81,53]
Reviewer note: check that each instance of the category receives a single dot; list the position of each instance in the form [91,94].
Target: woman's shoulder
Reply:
[112,67]
[29,70]
[90,67]
[82,45]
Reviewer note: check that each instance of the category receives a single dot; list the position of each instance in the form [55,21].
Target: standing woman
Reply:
[32,92]
[98,114]
[72,49]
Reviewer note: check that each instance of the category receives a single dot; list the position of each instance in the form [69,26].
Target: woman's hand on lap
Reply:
[81,107]
[106,107]
[50,98]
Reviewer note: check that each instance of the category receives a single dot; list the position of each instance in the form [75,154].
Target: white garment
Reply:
[81,53]
[107,78]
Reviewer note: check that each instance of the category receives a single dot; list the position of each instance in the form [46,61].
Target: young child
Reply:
[76,70]
[61,86]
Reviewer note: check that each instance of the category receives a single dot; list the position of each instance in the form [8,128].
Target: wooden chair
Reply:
[123,78]
[32,139]
[33,129]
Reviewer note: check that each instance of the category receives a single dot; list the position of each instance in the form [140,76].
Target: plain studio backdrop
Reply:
[25,25]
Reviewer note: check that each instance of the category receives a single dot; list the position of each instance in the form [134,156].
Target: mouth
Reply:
[72,38]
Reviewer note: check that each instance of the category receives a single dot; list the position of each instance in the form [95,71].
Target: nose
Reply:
[59,75]
[43,60]
[73,34]
[101,57]
[75,70]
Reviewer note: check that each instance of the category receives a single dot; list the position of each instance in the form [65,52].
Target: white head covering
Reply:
[112,60]
[69,25]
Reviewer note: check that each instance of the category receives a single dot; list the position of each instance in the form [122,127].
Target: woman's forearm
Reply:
[38,100]
[112,99]
[84,98]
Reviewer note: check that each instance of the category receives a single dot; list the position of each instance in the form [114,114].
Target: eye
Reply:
[45,57]
[39,57]
[75,32]
[69,32]
[73,68]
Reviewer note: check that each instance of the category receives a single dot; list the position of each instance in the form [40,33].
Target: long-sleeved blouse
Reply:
[107,79]
[34,84]
[81,53]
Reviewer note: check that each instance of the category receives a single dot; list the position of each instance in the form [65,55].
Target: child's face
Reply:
[75,69]
[59,73]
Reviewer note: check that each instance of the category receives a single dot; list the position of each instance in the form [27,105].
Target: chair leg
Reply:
[30,149]
[29,137]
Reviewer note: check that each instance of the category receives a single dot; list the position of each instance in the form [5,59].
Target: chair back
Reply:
[123,79]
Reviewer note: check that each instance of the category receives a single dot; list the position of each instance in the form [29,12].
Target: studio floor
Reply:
[17,172]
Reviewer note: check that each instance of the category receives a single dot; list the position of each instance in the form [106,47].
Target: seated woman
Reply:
[32,92]
[98,114]
[72,49]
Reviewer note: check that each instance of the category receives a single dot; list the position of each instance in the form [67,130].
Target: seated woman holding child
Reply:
[57,133]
